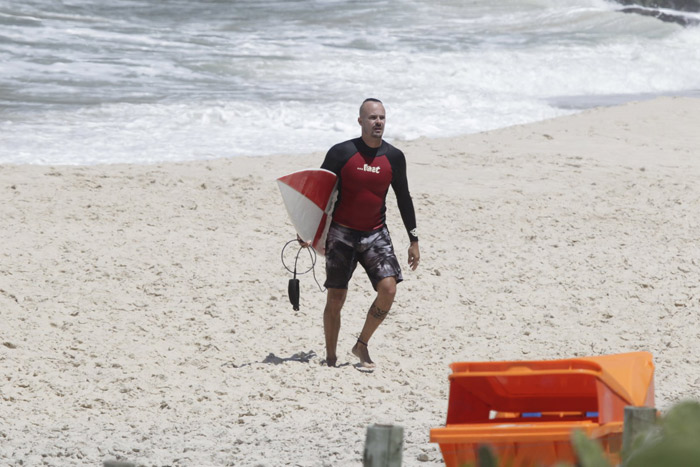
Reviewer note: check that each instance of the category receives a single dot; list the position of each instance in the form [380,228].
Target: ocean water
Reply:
[146,81]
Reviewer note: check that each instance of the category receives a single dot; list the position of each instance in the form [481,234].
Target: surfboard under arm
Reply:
[309,196]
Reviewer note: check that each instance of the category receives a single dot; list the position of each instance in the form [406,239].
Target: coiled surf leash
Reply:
[293,286]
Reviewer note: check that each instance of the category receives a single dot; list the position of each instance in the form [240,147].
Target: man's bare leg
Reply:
[331,322]
[386,290]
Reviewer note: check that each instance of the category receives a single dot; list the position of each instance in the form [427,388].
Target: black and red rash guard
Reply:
[364,176]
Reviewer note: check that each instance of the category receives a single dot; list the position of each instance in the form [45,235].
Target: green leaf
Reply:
[675,445]
[486,457]
[589,452]
[683,421]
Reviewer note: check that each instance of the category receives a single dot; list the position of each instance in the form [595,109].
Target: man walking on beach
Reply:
[366,167]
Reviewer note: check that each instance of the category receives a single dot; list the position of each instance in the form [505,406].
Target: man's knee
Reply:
[335,300]
[386,288]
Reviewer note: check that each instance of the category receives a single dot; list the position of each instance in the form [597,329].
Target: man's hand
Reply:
[302,242]
[413,255]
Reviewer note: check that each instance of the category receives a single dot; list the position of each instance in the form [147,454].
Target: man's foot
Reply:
[331,361]
[361,352]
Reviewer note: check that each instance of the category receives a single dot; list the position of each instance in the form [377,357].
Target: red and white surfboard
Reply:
[309,196]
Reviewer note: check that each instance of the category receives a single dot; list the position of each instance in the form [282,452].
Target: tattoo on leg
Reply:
[377,312]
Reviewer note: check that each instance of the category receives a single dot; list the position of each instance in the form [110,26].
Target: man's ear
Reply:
[359,121]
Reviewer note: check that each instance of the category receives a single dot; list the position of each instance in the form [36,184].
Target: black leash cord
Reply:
[293,287]
[312,255]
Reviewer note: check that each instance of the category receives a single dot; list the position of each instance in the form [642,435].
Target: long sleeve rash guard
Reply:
[364,176]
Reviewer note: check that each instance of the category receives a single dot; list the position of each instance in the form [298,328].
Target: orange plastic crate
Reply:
[526,410]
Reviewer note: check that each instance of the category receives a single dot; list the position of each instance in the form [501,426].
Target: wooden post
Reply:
[116,463]
[637,420]
[383,446]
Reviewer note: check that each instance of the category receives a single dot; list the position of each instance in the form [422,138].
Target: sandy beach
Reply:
[144,312]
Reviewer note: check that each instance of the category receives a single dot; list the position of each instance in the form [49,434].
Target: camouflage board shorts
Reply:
[346,247]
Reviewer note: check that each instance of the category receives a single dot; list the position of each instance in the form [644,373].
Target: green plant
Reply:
[588,451]
[675,442]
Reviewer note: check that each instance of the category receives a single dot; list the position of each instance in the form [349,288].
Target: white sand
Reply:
[139,303]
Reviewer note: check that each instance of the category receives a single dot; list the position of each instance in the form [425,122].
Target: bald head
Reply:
[369,99]
[372,119]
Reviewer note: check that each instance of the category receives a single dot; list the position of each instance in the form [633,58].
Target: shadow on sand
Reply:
[301,357]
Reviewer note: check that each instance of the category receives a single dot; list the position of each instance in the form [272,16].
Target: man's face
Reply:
[372,119]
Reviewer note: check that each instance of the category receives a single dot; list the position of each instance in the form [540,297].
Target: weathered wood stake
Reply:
[637,421]
[383,446]
[116,463]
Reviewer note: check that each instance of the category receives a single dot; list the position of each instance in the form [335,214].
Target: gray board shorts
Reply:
[345,247]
